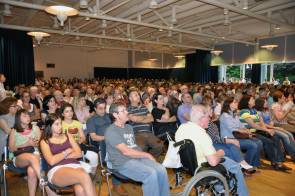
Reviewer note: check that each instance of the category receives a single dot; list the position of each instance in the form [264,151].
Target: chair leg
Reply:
[3,180]
[107,174]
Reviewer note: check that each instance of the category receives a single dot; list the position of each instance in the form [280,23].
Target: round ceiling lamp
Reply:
[61,12]
[216,52]
[38,35]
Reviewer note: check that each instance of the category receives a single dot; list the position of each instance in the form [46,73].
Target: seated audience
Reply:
[280,116]
[231,150]
[8,108]
[140,119]
[29,107]
[61,153]
[287,137]
[205,152]
[23,142]
[164,122]
[34,97]
[230,123]
[129,160]
[271,141]
[96,127]
[183,112]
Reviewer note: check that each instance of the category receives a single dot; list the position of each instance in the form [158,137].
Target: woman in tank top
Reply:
[23,142]
[61,153]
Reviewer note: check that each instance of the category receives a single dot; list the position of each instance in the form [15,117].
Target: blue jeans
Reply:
[235,168]
[253,147]
[152,175]
[272,148]
[288,142]
[231,151]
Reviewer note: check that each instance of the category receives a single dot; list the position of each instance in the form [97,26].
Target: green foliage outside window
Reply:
[283,70]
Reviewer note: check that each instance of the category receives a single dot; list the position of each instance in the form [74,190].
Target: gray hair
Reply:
[198,112]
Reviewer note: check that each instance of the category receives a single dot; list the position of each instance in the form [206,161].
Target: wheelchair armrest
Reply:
[179,143]
[206,164]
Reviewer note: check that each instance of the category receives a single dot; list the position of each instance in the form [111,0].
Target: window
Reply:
[282,70]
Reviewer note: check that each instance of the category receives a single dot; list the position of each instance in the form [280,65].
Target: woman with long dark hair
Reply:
[230,123]
[23,142]
[164,121]
[61,153]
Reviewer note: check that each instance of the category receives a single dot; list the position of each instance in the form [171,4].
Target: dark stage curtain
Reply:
[197,66]
[202,67]
[255,73]
[176,73]
[214,74]
[16,57]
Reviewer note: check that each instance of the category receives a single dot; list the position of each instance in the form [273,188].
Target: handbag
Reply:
[28,149]
[172,158]
[263,133]
[241,135]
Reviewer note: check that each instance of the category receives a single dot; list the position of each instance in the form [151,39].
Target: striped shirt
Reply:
[139,111]
[213,132]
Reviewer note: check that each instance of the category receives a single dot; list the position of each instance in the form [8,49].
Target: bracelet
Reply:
[65,153]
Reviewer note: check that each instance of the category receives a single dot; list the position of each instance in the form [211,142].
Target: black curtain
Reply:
[197,66]
[16,57]
[202,67]
[176,73]
[190,64]
[214,74]
[255,73]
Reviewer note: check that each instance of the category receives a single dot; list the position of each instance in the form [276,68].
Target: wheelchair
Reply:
[206,180]
[7,165]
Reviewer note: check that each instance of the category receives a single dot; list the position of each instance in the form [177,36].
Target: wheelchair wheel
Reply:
[205,183]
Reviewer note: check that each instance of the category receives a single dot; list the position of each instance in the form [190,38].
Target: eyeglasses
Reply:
[124,110]
[13,106]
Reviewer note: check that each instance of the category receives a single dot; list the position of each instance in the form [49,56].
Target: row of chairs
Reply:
[204,179]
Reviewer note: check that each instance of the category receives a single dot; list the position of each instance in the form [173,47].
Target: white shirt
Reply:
[202,141]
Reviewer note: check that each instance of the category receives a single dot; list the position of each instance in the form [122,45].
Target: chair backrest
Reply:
[188,156]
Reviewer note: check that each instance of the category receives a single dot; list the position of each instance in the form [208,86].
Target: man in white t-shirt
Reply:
[205,152]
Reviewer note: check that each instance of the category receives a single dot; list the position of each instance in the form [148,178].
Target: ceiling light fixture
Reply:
[83,4]
[245,4]
[179,56]
[269,47]
[216,52]
[226,17]
[61,12]
[277,27]
[6,11]
[38,35]
[104,24]
[173,19]
[153,4]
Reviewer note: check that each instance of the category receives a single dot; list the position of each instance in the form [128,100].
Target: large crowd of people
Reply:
[128,120]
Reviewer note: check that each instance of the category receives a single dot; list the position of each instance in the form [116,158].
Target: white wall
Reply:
[76,62]
[79,62]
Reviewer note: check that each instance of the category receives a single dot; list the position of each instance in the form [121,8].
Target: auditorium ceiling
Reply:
[170,26]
